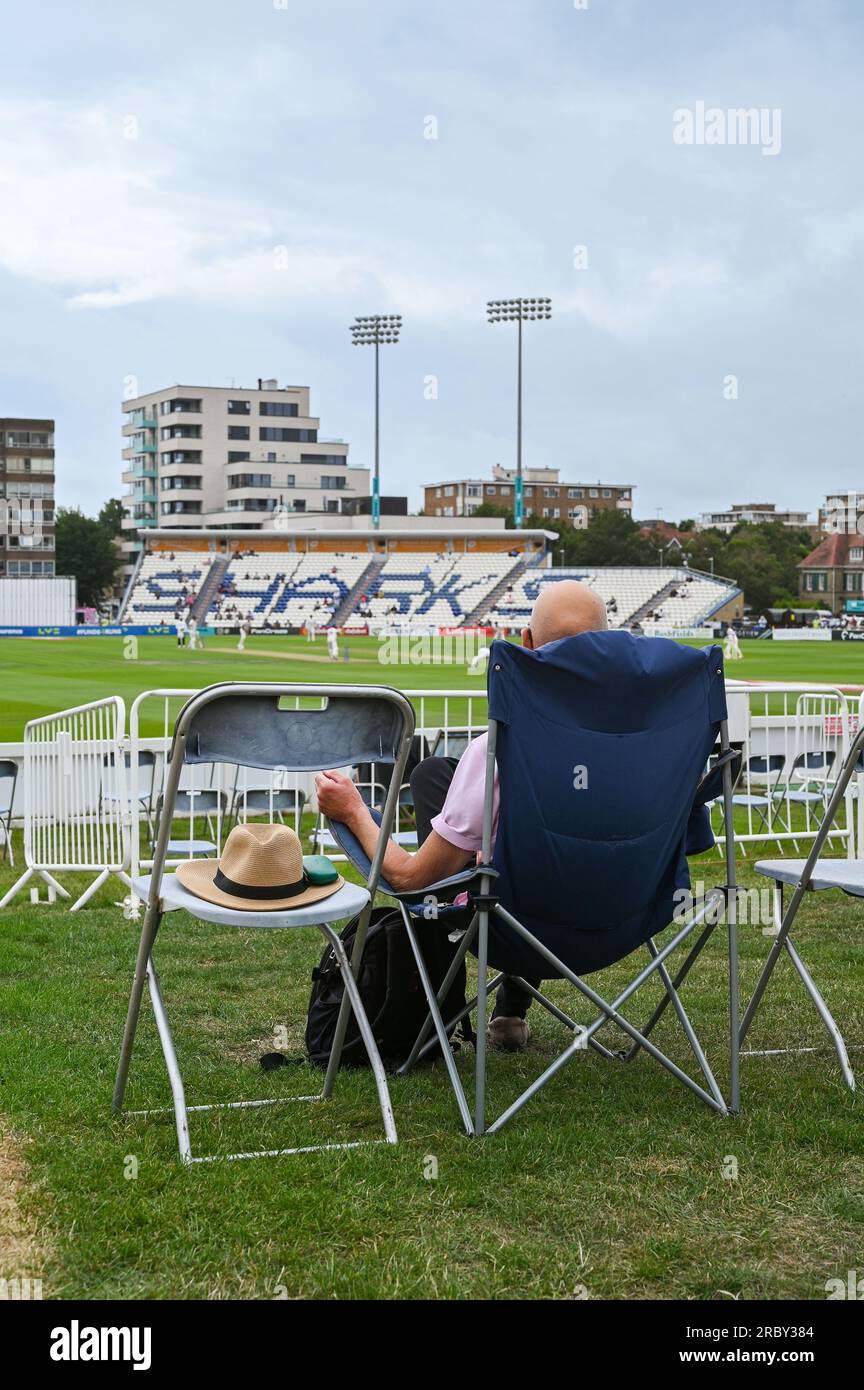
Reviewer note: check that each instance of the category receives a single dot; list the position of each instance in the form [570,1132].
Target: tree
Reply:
[86,550]
[111,516]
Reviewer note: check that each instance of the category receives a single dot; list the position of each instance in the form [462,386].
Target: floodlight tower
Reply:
[376,329]
[518,310]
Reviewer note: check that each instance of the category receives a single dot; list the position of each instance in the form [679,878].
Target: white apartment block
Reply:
[752,512]
[222,456]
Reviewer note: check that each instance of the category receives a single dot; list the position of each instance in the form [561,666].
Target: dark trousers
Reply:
[430,783]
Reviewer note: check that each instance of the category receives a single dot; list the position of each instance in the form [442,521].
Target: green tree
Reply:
[111,516]
[86,550]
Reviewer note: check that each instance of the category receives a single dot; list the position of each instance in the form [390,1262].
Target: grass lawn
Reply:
[615,1181]
[40,676]
[612,1180]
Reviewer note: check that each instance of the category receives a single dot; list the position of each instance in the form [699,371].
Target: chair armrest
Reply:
[347,841]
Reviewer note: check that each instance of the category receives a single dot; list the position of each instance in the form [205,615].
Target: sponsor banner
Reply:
[471,631]
[802,634]
[659,630]
[847,634]
[355,630]
[139,630]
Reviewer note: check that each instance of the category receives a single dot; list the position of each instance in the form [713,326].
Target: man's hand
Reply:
[338,797]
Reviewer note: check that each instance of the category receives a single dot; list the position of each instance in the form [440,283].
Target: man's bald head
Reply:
[564,609]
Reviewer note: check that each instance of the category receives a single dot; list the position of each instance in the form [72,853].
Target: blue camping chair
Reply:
[601,742]
[263,725]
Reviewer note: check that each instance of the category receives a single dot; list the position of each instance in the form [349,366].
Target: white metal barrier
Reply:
[793,742]
[92,799]
[76,803]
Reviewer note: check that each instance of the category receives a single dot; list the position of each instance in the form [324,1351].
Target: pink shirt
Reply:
[460,821]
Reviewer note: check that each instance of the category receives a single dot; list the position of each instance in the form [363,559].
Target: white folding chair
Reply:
[250,724]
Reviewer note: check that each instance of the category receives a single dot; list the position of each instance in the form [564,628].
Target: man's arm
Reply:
[436,858]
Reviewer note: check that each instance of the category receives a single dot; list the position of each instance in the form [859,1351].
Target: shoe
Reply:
[509,1034]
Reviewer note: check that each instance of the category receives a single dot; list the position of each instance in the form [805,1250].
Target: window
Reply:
[856,554]
[277,408]
[490,492]
[250,480]
[474,491]
[239,407]
[592,492]
[550,492]
[288,436]
[438,494]
[329,481]
[852,581]
[607,492]
[575,492]
[448,491]
[180,508]
[180,432]
[183,480]
[181,405]
[234,457]
[251,504]
[331,460]
[816,582]
[29,439]
[238,431]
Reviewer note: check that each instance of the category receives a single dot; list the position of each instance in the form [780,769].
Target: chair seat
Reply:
[189,848]
[847,874]
[745,799]
[805,798]
[346,902]
[402,837]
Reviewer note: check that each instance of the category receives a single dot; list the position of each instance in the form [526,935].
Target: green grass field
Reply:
[614,1183]
[40,676]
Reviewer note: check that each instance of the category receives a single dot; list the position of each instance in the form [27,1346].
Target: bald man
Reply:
[448,798]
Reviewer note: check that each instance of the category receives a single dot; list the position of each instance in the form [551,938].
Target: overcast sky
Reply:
[207,191]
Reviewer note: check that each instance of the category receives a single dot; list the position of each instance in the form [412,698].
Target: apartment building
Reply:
[214,456]
[843,510]
[752,512]
[26,498]
[543,492]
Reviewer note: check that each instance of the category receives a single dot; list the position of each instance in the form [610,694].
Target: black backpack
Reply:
[391,990]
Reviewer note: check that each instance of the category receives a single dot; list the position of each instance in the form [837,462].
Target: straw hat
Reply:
[261,870]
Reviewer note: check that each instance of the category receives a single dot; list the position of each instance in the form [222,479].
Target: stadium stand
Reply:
[165,582]
[285,589]
[438,589]
[655,597]
[288,589]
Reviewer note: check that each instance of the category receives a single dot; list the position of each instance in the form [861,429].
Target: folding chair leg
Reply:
[356,1003]
[345,1008]
[694,1042]
[480,1053]
[459,957]
[441,1032]
[150,927]
[824,1013]
[178,1094]
[470,1006]
[680,977]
